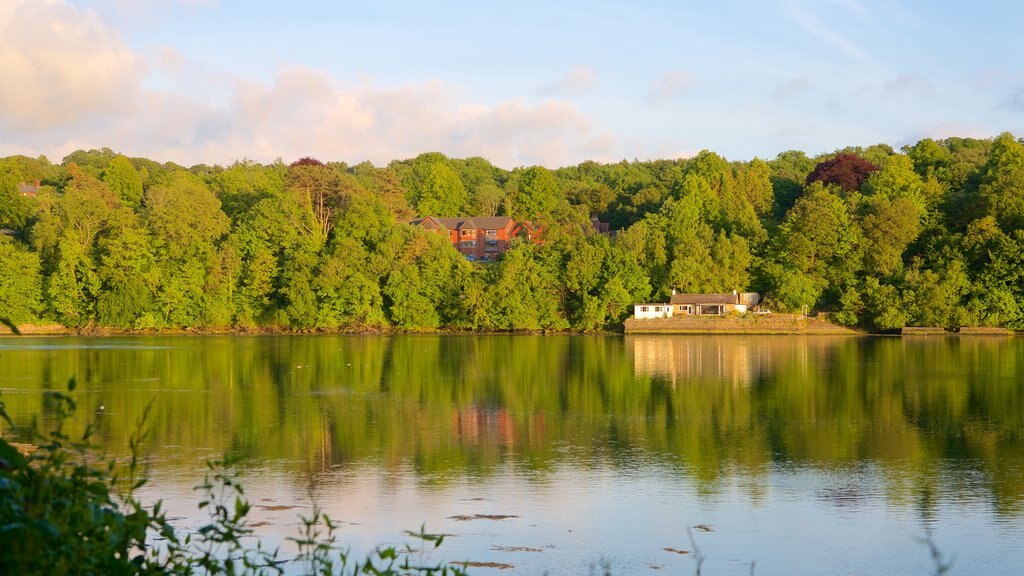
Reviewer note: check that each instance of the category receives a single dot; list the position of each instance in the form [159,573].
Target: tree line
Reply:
[931,235]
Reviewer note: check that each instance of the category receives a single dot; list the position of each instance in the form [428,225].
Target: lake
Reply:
[562,454]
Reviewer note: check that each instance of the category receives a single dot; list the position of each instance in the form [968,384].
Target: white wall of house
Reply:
[646,311]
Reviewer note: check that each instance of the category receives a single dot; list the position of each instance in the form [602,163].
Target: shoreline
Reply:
[58,330]
[774,324]
[778,325]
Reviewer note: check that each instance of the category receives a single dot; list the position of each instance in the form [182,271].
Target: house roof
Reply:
[727,298]
[484,222]
[427,223]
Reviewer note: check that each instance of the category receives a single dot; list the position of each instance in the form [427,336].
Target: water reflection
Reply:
[927,426]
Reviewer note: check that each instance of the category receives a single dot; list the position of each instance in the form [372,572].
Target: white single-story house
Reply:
[714,304]
[699,305]
[657,310]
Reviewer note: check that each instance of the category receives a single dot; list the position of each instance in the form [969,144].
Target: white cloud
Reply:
[579,80]
[670,86]
[61,65]
[85,88]
[303,112]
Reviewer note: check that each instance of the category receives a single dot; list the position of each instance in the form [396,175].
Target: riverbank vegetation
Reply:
[928,236]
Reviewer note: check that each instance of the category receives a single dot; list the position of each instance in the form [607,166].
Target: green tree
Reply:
[322,193]
[409,305]
[20,282]
[298,274]
[884,306]
[72,287]
[755,185]
[536,194]
[393,195]
[127,273]
[241,185]
[815,249]
[525,292]
[889,226]
[441,192]
[789,171]
[15,209]
[185,216]
[122,178]
[187,226]
[1002,187]
[348,295]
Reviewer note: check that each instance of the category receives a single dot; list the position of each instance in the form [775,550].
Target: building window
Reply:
[492,232]
[643,308]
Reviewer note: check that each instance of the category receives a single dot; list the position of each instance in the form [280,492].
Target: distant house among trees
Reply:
[28,189]
[600,227]
[480,237]
[699,305]
[648,311]
[714,304]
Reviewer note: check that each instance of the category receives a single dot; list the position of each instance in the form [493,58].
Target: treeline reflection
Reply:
[931,414]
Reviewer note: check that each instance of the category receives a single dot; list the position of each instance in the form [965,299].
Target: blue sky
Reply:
[519,83]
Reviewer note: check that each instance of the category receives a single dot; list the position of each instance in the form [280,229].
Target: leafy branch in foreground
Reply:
[62,514]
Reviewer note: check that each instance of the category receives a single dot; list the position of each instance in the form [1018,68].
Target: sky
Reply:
[519,83]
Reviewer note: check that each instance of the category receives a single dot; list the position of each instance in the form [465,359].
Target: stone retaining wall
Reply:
[746,324]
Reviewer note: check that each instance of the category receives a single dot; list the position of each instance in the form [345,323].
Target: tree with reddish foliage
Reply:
[306,161]
[848,171]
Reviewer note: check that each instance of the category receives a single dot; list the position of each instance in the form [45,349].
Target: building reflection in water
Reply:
[734,360]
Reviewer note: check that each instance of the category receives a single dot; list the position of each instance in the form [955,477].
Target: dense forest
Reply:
[931,235]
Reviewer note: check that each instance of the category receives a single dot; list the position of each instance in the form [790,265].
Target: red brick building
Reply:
[480,237]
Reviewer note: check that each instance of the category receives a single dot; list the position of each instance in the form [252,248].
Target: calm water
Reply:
[804,455]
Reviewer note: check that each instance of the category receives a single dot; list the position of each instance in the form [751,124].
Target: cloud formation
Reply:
[85,88]
[61,65]
[303,112]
